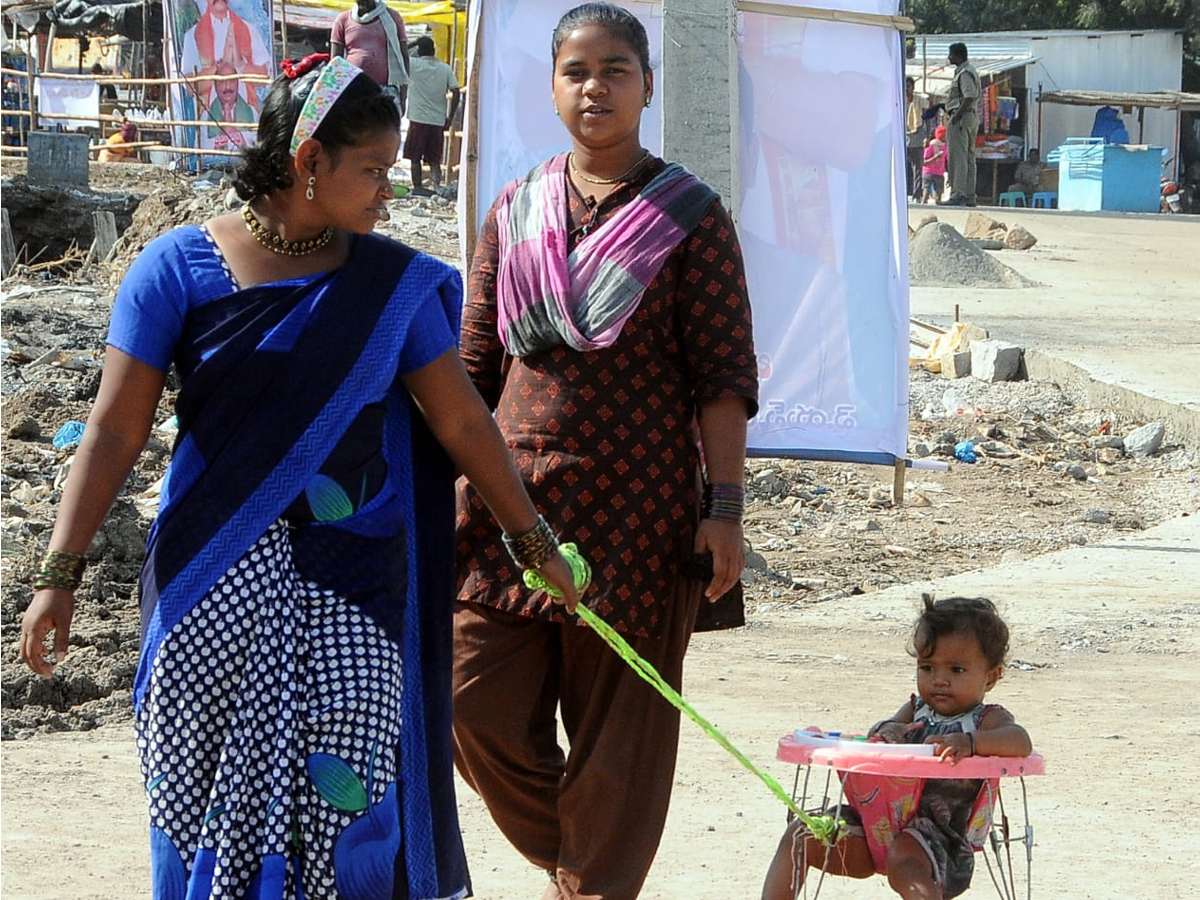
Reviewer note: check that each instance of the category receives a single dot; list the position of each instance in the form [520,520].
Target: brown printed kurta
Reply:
[605,440]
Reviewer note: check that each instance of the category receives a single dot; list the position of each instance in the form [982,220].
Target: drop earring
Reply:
[308,194]
[647,103]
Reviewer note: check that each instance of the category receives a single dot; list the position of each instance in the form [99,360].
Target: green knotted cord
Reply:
[824,827]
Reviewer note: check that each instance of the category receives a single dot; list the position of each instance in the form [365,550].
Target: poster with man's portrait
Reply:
[215,45]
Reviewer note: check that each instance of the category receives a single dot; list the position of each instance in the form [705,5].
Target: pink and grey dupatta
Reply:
[549,298]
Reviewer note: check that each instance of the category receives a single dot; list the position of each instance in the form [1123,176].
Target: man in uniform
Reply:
[962,101]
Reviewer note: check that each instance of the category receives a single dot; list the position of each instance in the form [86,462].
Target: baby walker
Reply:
[885,782]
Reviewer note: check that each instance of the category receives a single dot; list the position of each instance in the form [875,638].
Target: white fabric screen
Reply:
[821,211]
[823,224]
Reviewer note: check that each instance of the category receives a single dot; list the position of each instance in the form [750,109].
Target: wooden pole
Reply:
[181,79]
[145,48]
[49,59]
[471,158]
[898,481]
[901,23]
[283,35]
[150,124]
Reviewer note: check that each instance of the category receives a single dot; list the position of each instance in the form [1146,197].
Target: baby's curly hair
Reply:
[960,615]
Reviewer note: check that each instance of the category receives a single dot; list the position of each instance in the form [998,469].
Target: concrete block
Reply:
[57,158]
[956,364]
[994,361]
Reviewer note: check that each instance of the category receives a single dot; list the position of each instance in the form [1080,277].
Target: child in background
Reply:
[960,644]
[933,172]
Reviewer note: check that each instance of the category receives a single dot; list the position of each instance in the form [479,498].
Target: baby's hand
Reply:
[895,732]
[952,746]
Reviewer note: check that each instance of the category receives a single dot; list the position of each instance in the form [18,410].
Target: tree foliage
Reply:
[955,16]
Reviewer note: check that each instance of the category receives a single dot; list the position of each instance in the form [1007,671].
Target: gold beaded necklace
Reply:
[571,160]
[278,244]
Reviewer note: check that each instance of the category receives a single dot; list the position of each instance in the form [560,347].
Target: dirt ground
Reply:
[832,582]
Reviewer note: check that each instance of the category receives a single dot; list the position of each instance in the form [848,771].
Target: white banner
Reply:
[72,98]
[821,213]
[823,225]
[224,38]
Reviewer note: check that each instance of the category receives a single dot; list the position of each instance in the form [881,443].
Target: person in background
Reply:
[1028,175]
[114,149]
[372,36]
[915,132]
[933,168]
[430,81]
[292,700]
[962,101]
[108,92]
[607,323]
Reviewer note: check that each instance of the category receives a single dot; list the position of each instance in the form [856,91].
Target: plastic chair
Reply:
[884,782]
[1046,200]
[1012,198]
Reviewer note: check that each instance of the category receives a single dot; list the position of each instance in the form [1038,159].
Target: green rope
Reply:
[824,827]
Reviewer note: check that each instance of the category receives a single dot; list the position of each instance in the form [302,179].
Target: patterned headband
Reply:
[333,80]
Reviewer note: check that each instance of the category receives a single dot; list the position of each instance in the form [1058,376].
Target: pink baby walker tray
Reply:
[883,784]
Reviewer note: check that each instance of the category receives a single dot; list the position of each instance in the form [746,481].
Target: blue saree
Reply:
[292,696]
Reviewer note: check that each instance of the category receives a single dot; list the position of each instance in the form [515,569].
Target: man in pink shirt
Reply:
[373,38]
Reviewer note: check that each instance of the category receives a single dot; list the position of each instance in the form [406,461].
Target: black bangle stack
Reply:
[723,502]
[534,548]
[59,569]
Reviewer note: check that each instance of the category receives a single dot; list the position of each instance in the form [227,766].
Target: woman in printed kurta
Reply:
[292,698]
[607,324]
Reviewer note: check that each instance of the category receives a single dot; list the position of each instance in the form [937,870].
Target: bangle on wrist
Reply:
[723,502]
[60,569]
[534,548]
[971,738]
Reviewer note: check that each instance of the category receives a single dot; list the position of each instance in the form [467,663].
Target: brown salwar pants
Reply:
[594,817]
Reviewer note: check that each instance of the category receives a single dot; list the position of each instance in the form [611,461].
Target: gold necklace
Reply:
[571,160]
[277,244]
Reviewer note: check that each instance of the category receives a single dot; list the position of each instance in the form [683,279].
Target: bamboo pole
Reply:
[184,79]
[470,169]
[283,35]
[151,124]
[900,23]
[147,146]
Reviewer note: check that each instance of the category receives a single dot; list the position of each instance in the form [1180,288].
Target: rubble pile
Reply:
[939,255]
[1046,475]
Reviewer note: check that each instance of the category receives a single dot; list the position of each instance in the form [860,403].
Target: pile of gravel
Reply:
[938,255]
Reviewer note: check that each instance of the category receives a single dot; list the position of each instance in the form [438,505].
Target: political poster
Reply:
[214,45]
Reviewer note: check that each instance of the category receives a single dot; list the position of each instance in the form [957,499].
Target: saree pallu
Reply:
[292,697]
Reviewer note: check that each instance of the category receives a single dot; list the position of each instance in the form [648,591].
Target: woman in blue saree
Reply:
[292,698]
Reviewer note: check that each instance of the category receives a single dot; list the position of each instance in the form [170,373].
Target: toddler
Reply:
[933,172]
[960,644]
